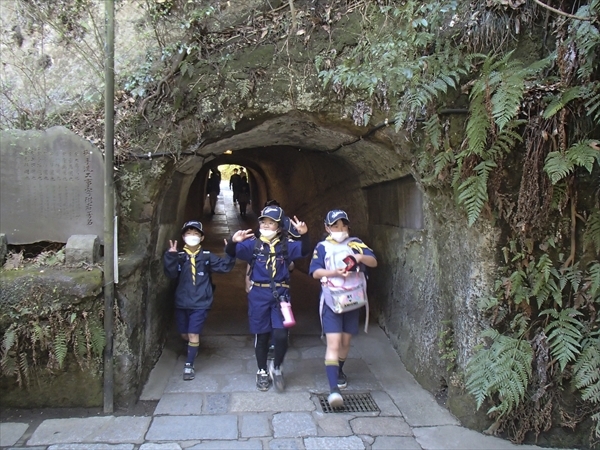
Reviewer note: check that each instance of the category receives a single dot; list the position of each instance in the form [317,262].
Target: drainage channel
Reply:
[352,403]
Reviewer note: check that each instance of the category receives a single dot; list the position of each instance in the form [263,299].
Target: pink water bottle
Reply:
[288,315]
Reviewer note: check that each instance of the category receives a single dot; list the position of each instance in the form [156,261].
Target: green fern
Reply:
[591,235]
[564,334]
[586,371]
[582,154]
[472,193]
[503,369]
[594,276]
[98,337]
[559,102]
[60,347]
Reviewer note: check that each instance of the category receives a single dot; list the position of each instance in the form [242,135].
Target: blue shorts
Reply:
[190,320]
[340,323]
[263,311]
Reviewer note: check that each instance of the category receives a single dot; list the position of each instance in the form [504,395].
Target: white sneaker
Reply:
[335,400]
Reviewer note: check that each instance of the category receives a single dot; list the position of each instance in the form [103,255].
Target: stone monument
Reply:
[51,186]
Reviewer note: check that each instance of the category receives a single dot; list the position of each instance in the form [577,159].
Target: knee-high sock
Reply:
[261,350]
[332,368]
[341,361]
[192,351]
[280,336]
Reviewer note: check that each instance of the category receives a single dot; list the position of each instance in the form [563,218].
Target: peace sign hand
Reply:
[300,226]
[172,246]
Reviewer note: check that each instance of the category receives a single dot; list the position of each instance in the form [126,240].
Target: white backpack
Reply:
[343,294]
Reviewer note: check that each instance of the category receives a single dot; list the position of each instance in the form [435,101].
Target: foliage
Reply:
[42,337]
[503,369]
[446,346]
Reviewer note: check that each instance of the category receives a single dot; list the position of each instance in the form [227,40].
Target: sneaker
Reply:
[263,381]
[335,400]
[188,372]
[271,353]
[342,381]
[277,377]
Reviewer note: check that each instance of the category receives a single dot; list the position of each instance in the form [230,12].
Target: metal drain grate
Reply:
[352,403]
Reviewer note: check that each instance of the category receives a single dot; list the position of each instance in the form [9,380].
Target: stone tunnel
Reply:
[432,267]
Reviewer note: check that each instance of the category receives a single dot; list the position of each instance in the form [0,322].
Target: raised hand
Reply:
[300,226]
[172,246]
[242,235]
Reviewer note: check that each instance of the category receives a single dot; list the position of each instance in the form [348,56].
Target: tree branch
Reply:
[562,13]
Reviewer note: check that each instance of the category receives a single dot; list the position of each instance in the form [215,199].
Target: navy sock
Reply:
[332,368]
[192,351]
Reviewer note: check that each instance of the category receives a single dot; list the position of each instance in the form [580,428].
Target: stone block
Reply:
[82,248]
[3,248]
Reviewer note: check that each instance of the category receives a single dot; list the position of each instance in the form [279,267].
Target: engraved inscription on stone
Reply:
[51,186]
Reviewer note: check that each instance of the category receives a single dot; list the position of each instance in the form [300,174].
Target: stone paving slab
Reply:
[180,404]
[227,445]
[91,447]
[185,428]
[289,424]
[334,443]
[255,425]
[333,424]
[395,443]
[165,446]
[271,401]
[459,438]
[11,432]
[107,429]
[380,426]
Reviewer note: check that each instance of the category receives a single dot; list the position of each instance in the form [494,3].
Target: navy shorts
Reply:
[340,323]
[190,320]
[263,311]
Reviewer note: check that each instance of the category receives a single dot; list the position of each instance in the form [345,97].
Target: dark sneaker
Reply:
[335,400]
[263,381]
[342,381]
[188,372]
[277,377]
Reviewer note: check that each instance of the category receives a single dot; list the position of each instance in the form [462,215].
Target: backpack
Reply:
[347,293]
[204,258]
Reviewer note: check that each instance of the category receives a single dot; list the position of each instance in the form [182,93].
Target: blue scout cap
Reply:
[192,224]
[335,215]
[291,229]
[272,212]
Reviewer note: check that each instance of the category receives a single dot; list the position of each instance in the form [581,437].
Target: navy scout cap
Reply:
[335,215]
[192,224]
[272,212]
[291,229]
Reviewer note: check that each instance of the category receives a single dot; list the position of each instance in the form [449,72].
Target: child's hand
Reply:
[300,226]
[173,246]
[242,235]
[341,272]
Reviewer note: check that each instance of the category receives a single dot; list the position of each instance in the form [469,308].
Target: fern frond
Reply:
[503,369]
[586,371]
[564,334]
[559,102]
[433,130]
[558,166]
[591,234]
[60,347]
[472,193]
[594,275]
[584,154]
[9,339]
[478,127]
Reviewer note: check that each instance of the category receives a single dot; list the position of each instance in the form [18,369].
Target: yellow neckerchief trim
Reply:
[272,258]
[192,261]
[354,245]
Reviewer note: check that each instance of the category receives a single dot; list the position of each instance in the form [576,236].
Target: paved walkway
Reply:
[221,408]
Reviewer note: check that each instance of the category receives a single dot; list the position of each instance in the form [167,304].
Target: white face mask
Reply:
[268,234]
[192,240]
[339,236]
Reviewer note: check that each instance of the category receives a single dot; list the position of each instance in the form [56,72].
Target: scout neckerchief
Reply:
[271,263]
[192,261]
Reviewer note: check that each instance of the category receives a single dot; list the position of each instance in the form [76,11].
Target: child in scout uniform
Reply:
[269,255]
[192,267]
[340,261]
